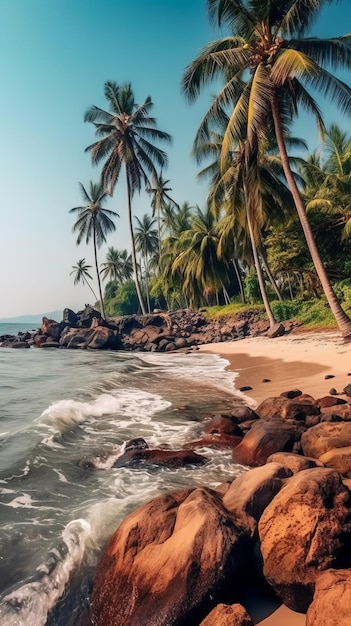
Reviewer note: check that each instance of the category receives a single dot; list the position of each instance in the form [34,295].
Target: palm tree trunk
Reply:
[342,319]
[267,306]
[270,275]
[90,287]
[132,240]
[239,279]
[98,276]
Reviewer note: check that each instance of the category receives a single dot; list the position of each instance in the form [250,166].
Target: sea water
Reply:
[65,417]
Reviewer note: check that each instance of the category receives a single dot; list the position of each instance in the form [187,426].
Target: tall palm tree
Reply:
[147,243]
[81,274]
[161,200]
[127,134]
[267,66]
[118,266]
[94,222]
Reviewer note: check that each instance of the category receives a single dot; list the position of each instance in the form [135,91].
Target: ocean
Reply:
[65,417]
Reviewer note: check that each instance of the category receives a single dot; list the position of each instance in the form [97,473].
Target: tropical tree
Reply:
[94,221]
[267,66]
[118,266]
[147,243]
[203,272]
[127,133]
[81,275]
[161,200]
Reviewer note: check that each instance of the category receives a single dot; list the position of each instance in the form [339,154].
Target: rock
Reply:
[228,615]
[331,600]
[304,530]
[287,409]
[70,317]
[347,390]
[276,330]
[224,425]
[19,344]
[338,459]
[294,462]
[325,436]
[328,401]
[167,458]
[250,493]
[189,537]
[293,393]
[243,413]
[102,338]
[342,410]
[264,438]
[45,324]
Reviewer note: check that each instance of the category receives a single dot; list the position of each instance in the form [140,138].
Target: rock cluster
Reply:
[160,331]
[190,556]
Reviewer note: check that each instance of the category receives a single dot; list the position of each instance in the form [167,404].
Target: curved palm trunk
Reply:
[240,282]
[267,306]
[270,275]
[98,277]
[342,319]
[132,240]
[90,287]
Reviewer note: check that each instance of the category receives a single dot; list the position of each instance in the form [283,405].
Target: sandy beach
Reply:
[297,361]
[304,361]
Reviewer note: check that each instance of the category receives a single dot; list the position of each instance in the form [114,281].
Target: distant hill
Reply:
[32,319]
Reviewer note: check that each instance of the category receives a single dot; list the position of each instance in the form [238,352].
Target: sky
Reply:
[55,56]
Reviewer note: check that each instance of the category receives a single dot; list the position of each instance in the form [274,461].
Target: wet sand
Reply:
[299,361]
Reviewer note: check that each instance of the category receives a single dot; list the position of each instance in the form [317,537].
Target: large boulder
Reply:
[305,529]
[250,493]
[325,436]
[264,438]
[167,560]
[134,457]
[294,462]
[331,604]
[288,409]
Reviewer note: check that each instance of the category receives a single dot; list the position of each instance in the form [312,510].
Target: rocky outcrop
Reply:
[332,599]
[155,332]
[185,557]
[305,529]
[168,561]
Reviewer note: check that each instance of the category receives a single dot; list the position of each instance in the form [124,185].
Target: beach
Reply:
[315,363]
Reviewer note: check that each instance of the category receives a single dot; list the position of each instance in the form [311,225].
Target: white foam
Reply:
[31,603]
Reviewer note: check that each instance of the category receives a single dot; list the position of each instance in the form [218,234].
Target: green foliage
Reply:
[251,287]
[285,310]
[125,302]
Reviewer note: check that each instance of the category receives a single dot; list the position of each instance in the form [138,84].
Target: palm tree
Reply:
[203,272]
[118,266]
[127,134]
[147,243]
[81,274]
[95,222]
[161,200]
[267,66]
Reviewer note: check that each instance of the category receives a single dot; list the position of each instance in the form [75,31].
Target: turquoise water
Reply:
[59,408]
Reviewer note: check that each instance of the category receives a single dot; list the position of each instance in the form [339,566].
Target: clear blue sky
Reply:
[55,56]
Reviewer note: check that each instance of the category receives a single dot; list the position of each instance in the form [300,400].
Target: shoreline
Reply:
[313,363]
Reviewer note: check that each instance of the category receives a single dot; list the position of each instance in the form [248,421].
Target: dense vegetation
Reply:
[276,228]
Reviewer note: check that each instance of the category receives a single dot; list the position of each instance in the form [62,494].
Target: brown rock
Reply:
[331,604]
[325,436]
[224,425]
[287,409]
[168,458]
[243,414]
[251,492]
[228,615]
[342,410]
[328,401]
[264,438]
[187,536]
[304,530]
[338,459]
[215,441]
[294,462]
